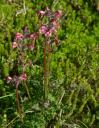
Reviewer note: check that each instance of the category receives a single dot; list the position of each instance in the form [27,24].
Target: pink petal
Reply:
[9,79]
[34,36]
[41,12]
[58,14]
[14,45]
[48,34]
[18,36]
[23,76]
[43,29]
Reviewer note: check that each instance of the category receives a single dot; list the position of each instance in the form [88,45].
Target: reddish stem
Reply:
[45,73]
[26,87]
[17,101]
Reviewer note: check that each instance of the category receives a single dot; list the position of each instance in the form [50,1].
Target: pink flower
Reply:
[55,25]
[34,36]
[14,45]
[43,29]
[48,33]
[18,36]
[41,13]
[9,79]
[53,21]
[23,77]
[58,14]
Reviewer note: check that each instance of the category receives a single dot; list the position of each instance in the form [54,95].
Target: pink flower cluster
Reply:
[34,36]
[15,79]
[23,77]
[47,12]
[58,13]
[27,39]
[53,25]
[19,37]
[48,30]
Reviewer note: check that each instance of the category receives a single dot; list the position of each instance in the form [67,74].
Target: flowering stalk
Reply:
[26,87]
[49,60]
[17,100]
[20,48]
[48,30]
[45,70]
[26,41]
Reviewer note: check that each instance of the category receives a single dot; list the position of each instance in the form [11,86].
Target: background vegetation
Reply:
[73,99]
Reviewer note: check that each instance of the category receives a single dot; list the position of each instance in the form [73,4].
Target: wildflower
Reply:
[58,14]
[9,79]
[41,13]
[26,32]
[48,12]
[14,45]
[54,23]
[34,36]
[18,36]
[23,77]
[43,29]
[48,33]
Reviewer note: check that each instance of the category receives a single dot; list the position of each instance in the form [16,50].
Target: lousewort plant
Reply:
[22,43]
[48,29]
[26,42]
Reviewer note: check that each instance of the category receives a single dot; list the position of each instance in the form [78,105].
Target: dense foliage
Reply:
[72,66]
